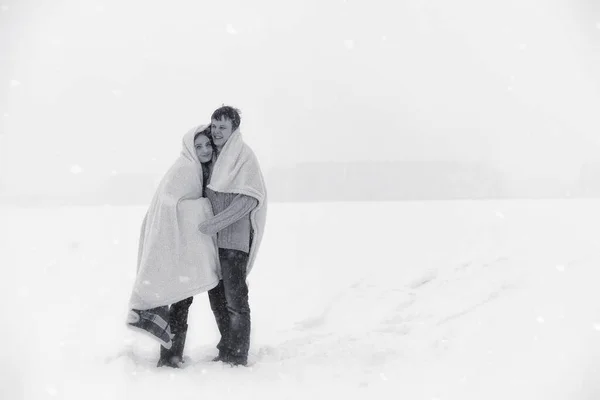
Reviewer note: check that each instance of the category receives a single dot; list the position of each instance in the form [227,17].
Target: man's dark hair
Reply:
[230,113]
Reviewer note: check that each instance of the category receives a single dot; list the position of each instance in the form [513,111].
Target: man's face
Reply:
[221,130]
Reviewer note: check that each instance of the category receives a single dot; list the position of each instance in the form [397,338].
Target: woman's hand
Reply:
[202,228]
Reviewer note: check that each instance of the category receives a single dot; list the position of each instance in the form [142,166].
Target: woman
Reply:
[175,260]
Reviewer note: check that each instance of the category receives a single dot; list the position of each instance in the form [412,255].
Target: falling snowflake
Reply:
[51,391]
[384,38]
[6,115]
[113,172]
[14,83]
[597,326]
[523,46]
[598,25]
[184,279]
[231,30]
[117,92]
[146,282]
[116,242]
[540,320]
[4,7]
[499,214]
[383,377]
[349,44]
[50,265]
[76,169]
[560,268]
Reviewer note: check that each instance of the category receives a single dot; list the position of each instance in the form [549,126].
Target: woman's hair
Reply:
[205,132]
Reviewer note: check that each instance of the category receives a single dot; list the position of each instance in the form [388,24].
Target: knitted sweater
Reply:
[231,222]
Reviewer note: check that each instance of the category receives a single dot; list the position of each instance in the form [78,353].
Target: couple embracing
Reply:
[201,233]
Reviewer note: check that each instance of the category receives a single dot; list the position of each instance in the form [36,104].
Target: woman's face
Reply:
[204,150]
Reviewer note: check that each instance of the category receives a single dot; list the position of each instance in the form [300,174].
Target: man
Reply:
[237,193]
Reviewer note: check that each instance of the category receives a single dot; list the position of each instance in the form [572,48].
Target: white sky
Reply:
[113,85]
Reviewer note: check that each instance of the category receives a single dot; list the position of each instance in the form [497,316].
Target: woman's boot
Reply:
[173,357]
[178,315]
[166,357]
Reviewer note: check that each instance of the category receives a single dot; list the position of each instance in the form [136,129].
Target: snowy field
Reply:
[424,300]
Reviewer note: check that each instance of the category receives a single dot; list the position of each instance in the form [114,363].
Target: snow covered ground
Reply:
[423,300]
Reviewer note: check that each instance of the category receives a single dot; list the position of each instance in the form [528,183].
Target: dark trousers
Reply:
[229,303]
[178,315]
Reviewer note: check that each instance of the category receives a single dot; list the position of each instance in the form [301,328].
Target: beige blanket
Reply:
[237,171]
[175,260]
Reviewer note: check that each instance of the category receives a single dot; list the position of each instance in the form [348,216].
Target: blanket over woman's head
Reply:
[175,260]
[237,171]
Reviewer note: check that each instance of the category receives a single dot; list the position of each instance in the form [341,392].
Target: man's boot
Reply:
[223,356]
